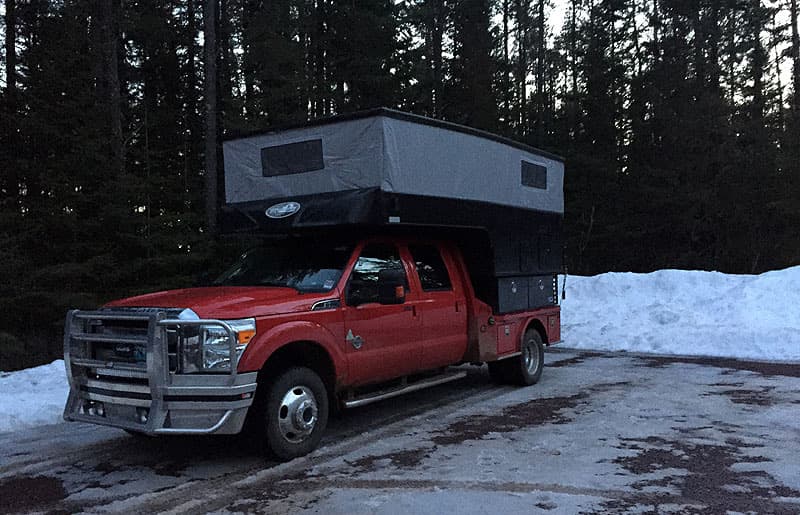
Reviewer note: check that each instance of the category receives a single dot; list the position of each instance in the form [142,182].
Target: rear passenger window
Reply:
[430,268]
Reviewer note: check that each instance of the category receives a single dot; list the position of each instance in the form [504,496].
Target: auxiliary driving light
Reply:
[142,414]
[94,408]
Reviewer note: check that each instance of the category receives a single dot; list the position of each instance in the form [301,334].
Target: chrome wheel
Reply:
[298,414]
[530,356]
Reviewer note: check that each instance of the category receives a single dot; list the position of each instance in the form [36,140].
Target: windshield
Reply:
[306,266]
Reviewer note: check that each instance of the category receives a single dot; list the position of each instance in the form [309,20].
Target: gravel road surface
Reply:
[600,433]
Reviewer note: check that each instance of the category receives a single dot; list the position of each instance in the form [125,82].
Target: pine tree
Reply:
[362,59]
[426,23]
[470,98]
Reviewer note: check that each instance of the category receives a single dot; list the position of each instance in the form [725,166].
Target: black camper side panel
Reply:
[513,255]
[527,249]
[358,207]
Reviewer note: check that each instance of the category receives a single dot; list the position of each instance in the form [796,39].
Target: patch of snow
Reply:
[755,317]
[32,397]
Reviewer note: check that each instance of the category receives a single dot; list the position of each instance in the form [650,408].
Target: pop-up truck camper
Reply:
[387,248]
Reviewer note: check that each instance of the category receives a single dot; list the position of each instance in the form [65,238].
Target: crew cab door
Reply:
[442,306]
[380,339]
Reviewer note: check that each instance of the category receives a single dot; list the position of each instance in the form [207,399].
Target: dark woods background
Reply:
[680,131]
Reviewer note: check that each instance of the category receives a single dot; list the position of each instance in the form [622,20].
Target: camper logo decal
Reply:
[283,210]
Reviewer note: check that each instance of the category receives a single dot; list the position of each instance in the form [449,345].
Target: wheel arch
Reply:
[301,353]
[538,326]
[280,338]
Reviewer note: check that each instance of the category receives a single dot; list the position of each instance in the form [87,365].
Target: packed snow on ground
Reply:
[686,312]
[665,312]
[32,397]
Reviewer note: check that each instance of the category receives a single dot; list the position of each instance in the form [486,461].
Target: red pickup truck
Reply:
[308,320]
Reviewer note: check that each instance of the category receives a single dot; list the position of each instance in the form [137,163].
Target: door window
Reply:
[375,257]
[430,268]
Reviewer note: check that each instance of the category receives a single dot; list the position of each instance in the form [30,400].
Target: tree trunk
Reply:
[437,35]
[759,63]
[732,62]
[228,62]
[795,52]
[775,43]
[656,24]
[572,106]
[109,43]
[637,46]
[573,30]
[210,57]
[319,107]
[190,113]
[699,56]
[249,12]
[714,71]
[11,55]
[506,62]
[522,64]
[541,53]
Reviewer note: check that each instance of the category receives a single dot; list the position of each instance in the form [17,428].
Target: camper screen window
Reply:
[291,158]
[534,176]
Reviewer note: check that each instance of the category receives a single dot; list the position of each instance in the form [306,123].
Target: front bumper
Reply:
[148,396]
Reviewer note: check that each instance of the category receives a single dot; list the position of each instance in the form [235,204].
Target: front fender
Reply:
[265,345]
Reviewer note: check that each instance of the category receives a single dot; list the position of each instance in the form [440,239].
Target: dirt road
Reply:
[601,433]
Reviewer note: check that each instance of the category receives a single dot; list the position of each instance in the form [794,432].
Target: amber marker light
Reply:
[245,335]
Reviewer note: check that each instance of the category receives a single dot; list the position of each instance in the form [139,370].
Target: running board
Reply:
[388,394]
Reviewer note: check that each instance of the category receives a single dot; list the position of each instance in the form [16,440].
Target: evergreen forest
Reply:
[679,121]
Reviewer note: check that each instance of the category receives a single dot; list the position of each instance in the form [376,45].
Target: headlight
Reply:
[207,348]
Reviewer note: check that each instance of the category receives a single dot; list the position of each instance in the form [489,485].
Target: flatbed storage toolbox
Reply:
[501,200]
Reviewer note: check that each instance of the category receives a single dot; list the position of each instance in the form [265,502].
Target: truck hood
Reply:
[228,302]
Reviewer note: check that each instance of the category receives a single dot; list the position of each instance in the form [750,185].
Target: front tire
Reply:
[295,414]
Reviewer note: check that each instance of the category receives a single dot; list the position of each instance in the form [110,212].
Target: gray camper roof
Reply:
[396,153]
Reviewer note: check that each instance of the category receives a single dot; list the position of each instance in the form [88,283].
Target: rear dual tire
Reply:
[524,369]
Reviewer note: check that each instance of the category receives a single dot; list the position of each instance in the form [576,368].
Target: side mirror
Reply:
[391,287]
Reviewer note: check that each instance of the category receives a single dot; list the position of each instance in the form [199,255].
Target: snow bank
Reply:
[32,397]
[686,312]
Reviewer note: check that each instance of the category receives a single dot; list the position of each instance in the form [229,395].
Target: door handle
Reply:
[413,309]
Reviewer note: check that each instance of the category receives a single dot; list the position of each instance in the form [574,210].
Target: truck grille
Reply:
[117,339]
[133,345]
